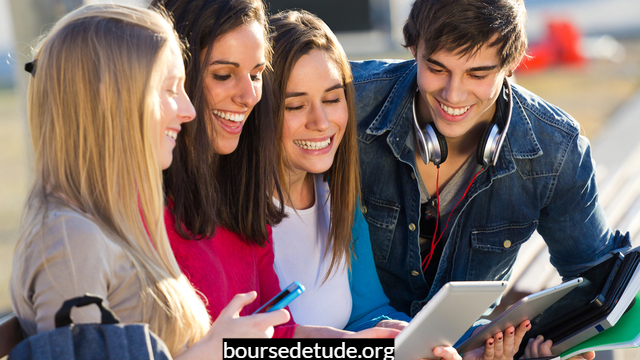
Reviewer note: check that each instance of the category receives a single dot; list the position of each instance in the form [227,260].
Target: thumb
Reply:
[236,304]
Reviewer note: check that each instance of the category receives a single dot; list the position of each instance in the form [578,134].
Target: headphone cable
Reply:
[435,242]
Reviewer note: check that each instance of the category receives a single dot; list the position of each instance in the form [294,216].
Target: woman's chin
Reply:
[226,147]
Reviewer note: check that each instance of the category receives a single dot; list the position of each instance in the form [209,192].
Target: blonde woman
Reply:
[106,103]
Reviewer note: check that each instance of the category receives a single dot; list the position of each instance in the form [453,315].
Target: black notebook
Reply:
[608,290]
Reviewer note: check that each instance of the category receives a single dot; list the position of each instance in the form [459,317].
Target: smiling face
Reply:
[315,114]
[457,93]
[175,107]
[233,82]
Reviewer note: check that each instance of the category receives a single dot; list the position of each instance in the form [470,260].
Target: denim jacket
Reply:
[544,180]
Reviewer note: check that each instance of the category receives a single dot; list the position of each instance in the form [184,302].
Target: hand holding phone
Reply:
[282,299]
[229,325]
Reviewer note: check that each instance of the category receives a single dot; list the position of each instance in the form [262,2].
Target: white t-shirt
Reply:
[298,244]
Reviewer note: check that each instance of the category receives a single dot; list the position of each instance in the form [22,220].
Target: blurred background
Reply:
[586,59]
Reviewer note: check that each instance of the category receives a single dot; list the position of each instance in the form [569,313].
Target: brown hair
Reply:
[464,26]
[296,33]
[208,189]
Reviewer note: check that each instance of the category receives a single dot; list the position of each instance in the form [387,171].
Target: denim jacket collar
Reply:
[396,107]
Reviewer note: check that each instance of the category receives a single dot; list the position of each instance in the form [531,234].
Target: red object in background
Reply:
[561,45]
[542,55]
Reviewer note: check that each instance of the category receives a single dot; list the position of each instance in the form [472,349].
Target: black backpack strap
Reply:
[63,316]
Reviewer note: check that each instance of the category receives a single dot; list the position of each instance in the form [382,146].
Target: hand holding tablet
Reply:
[525,309]
[446,317]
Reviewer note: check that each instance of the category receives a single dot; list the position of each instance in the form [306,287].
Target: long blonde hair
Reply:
[91,102]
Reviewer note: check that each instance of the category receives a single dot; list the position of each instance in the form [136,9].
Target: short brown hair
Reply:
[464,26]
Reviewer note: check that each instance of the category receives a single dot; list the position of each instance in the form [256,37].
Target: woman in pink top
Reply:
[216,187]
[220,185]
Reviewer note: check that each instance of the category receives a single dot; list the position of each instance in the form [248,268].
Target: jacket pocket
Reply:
[494,249]
[502,238]
[382,217]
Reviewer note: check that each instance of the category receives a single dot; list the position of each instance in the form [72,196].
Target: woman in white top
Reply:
[314,244]
[106,103]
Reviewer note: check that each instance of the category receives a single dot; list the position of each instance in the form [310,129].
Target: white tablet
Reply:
[446,317]
[525,309]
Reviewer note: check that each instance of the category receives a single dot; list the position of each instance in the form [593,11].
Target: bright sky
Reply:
[591,15]
[6,25]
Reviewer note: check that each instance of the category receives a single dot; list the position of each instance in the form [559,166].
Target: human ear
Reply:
[516,64]
[513,68]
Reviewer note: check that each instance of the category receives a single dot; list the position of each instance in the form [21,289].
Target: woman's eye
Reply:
[257,77]
[293,108]
[173,93]
[334,101]
[221,77]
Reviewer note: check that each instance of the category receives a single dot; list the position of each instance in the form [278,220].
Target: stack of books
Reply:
[624,335]
[602,312]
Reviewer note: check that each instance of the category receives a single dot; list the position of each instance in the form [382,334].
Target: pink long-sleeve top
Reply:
[225,265]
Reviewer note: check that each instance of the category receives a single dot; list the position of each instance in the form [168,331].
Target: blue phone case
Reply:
[283,298]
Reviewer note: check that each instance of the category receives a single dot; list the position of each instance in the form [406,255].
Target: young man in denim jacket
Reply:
[542,178]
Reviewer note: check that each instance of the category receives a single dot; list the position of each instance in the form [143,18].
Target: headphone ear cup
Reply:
[442,145]
[486,140]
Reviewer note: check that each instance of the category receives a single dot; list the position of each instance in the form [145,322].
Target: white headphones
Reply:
[433,146]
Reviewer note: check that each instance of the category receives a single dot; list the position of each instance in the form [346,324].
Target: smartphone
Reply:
[282,299]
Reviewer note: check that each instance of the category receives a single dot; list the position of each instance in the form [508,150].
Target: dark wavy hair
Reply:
[464,26]
[208,189]
[295,34]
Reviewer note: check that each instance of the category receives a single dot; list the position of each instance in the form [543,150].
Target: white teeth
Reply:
[229,116]
[172,134]
[310,145]
[454,112]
